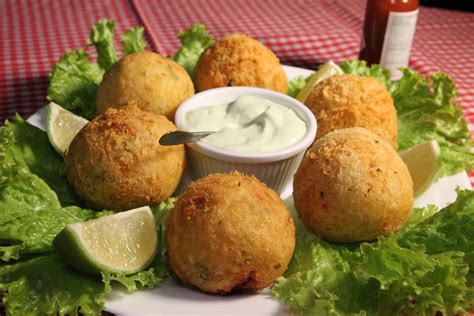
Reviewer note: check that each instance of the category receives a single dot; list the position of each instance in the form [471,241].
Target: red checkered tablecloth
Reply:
[35,33]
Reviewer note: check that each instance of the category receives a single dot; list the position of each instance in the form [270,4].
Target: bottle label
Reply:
[397,41]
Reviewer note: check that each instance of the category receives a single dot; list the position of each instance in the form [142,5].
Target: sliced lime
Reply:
[422,162]
[325,71]
[123,242]
[62,126]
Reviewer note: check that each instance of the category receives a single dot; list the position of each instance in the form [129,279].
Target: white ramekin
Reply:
[275,168]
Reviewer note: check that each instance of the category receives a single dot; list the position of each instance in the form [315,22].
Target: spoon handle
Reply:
[181,137]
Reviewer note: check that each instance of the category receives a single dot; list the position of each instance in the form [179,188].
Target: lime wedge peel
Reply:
[125,242]
[62,126]
[325,71]
[423,164]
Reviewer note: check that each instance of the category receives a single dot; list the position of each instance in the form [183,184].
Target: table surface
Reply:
[304,33]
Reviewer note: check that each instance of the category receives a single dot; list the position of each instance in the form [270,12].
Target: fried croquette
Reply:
[115,161]
[352,186]
[238,60]
[155,83]
[229,232]
[353,101]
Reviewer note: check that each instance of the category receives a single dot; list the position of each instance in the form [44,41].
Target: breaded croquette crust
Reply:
[229,232]
[155,83]
[352,186]
[115,162]
[238,60]
[353,101]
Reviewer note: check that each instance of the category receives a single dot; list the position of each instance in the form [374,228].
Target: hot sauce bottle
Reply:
[389,28]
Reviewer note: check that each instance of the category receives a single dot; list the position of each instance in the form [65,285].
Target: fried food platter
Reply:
[174,298]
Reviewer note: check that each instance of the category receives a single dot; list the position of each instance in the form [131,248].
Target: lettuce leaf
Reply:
[318,277]
[73,83]
[295,85]
[420,270]
[360,68]
[26,191]
[25,148]
[133,41]
[194,41]
[74,79]
[448,230]
[19,188]
[410,280]
[161,211]
[160,263]
[143,279]
[102,37]
[46,286]
[426,111]
[376,278]
[419,214]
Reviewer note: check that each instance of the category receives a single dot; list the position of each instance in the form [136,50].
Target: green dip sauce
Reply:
[248,124]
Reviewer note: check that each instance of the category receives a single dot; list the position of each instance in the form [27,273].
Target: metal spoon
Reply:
[181,137]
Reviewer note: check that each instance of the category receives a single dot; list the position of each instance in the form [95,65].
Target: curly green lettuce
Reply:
[194,41]
[46,286]
[133,40]
[422,270]
[144,279]
[419,214]
[160,263]
[74,82]
[295,85]
[102,38]
[426,111]
[448,230]
[25,190]
[25,148]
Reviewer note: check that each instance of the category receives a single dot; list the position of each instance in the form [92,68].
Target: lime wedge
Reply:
[62,126]
[125,242]
[422,162]
[325,71]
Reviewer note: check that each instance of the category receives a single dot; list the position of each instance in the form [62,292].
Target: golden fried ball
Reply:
[155,83]
[352,186]
[353,101]
[229,232]
[238,60]
[115,161]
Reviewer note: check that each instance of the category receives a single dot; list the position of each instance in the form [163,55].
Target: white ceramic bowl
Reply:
[275,168]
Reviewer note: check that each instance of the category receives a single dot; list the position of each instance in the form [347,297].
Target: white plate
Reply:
[175,299]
